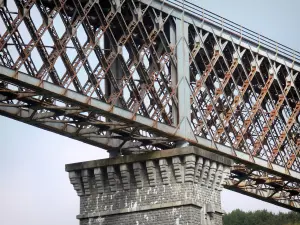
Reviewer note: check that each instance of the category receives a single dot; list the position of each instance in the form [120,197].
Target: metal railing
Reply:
[237,30]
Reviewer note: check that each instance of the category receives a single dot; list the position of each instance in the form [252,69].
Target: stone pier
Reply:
[172,187]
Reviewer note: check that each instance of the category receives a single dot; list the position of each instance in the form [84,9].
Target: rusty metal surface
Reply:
[109,73]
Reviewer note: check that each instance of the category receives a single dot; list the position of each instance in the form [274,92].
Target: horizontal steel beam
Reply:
[290,205]
[266,187]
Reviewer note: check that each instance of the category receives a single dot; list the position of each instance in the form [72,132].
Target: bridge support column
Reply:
[178,186]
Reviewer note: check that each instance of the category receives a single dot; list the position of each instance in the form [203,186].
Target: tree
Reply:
[261,217]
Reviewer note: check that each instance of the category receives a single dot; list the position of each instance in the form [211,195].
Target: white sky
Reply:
[35,189]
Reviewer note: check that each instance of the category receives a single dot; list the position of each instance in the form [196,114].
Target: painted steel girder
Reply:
[264,186]
[78,123]
[121,86]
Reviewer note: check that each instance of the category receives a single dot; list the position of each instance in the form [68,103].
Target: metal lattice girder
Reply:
[264,186]
[134,76]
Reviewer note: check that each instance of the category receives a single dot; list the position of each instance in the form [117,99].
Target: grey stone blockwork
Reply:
[179,186]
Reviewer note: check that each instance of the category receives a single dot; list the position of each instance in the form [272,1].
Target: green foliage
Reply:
[261,217]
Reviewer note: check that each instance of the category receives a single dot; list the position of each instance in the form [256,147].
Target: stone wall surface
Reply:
[175,187]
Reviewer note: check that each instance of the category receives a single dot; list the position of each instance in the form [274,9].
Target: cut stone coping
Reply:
[190,150]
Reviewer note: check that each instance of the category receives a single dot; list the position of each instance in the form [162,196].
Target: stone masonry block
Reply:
[219,175]
[138,174]
[211,174]
[125,175]
[99,179]
[75,180]
[198,169]
[178,170]
[164,170]
[112,178]
[151,170]
[205,171]
[86,174]
[189,173]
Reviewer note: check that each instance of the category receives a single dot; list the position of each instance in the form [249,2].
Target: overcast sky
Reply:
[35,189]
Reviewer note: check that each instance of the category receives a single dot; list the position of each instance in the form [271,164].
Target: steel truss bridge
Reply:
[146,75]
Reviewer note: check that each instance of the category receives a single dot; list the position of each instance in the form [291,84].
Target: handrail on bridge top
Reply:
[237,30]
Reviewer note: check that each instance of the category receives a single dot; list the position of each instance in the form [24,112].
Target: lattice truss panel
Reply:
[265,186]
[126,54]
[247,102]
[101,50]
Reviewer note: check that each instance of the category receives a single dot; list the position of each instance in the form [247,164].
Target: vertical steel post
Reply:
[183,77]
[116,70]
[174,77]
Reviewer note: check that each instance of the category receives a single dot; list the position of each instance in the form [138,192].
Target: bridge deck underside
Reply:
[110,74]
